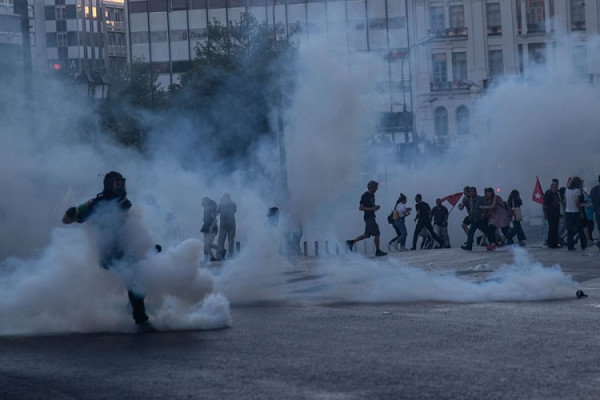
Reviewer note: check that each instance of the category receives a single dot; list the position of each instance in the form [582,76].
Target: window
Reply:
[441,121]
[463,125]
[440,73]
[61,39]
[577,15]
[457,17]
[459,66]
[537,54]
[61,12]
[496,63]
[437,18]
[494,22]
[535,16]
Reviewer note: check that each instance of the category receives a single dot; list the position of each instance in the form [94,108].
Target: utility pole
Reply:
[22,8]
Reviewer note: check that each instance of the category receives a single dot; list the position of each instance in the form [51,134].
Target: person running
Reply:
[439,215]
[478,221]
[399,242]
[368,206]
[423,219]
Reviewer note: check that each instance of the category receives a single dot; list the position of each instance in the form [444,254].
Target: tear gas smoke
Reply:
[50,274]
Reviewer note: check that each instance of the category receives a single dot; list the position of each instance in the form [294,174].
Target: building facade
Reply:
[432,59]
[11,36]
[83,35]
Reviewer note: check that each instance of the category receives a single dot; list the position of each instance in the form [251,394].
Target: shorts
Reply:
[371,228]
[467,221]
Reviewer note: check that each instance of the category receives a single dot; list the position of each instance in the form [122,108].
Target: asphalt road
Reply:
[299,349]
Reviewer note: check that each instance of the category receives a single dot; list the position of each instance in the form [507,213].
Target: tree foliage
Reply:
[234,80]
[134,92]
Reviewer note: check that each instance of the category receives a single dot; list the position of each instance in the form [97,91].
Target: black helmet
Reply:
[114,185]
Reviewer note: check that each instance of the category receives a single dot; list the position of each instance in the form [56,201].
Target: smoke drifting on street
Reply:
[49,273]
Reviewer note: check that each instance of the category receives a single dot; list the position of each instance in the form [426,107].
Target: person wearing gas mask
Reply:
[108,212]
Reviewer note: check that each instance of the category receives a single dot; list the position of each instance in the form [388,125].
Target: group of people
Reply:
[571,213]
[493,217]
[423,217]
[499,221]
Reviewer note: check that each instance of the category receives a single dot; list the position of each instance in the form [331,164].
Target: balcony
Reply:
[452,86]
[578,25]
[494,30]
[450,33]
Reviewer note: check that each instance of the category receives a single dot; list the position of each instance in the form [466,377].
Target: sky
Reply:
[54,156]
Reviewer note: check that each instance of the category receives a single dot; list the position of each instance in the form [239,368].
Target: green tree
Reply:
[230,90]
[133,96]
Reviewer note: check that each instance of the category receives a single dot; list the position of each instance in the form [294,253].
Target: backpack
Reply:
[390,218]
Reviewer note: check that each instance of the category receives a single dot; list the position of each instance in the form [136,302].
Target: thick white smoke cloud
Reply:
[49,273]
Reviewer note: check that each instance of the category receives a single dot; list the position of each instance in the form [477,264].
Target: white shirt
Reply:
[401,209]
[572,199]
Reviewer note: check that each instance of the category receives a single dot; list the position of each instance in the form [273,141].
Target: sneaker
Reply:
[144,327]
[490,247]
[466,247]
[389,246]
[349,244]
[522,244]
[402,248]
[380,253]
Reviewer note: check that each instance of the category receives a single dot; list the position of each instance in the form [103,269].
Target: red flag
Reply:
[538,194]
[453,198]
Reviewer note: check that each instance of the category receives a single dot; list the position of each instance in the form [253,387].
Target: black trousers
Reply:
[427,225]
[553,223]
[139,308]
[484,227]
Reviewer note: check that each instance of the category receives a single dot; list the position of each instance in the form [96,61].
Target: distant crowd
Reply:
[572,213]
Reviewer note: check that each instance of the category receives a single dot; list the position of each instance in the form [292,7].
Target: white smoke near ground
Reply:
[50,274]
[358,279]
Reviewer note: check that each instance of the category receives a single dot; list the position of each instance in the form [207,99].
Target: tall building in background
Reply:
[433,59]
[11,38]
[84,35]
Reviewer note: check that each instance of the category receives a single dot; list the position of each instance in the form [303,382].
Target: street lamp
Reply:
[405,116]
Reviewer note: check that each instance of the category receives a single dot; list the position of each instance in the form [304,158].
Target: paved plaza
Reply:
[309,345]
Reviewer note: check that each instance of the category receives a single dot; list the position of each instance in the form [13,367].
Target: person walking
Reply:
[552,210]
[514,202]
[595,197]
[573,212]
[226,210]
[108,213]
[368,206]
[209,228]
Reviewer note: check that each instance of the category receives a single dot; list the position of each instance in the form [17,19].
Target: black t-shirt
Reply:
[440,215]
[552,203]
[368,200]
[423,210]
